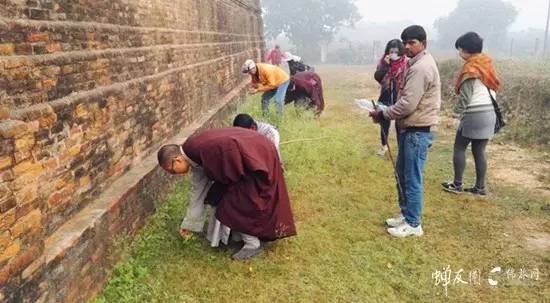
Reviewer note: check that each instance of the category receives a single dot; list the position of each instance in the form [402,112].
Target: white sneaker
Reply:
[405,230]
[395,221]
[382,151]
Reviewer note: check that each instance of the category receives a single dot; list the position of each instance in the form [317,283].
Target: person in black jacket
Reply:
[390,73]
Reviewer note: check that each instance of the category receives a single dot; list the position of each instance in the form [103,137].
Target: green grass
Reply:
[341,193]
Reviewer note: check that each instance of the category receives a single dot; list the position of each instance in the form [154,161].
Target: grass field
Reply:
[341,193]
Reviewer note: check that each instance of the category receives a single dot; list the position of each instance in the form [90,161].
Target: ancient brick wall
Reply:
[88,88]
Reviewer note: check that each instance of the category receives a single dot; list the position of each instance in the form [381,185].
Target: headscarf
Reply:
[397,71]
[479,66]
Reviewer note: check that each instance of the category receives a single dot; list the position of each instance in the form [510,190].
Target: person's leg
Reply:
[478,150]
[397,131]
[416,146]
[265,101]
[252,247]
[280,97]
[400,165]
[384,132]
[459,157]
[195,216]
[399,185]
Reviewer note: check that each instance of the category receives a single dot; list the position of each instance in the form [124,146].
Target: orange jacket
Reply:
[271,77]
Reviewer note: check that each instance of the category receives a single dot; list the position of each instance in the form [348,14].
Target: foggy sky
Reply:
[531,13]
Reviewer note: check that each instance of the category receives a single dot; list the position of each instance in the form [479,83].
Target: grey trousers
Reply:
[196,214]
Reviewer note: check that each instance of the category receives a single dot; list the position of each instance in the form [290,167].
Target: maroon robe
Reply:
[307,84]
[255,199]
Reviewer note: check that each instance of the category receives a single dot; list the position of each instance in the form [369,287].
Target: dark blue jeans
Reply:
[413,152]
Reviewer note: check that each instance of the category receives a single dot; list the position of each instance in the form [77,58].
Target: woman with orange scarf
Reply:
[476,85]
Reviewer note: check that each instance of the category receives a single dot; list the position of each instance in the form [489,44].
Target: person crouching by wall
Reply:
[270,80]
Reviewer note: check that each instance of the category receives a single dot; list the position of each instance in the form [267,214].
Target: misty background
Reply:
[356,32]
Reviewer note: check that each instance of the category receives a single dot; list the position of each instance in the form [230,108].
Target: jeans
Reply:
[279,94]
[413,152]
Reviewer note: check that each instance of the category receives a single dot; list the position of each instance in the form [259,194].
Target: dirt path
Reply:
[511,164]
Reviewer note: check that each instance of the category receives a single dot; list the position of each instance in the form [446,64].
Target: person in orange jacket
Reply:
[270,80]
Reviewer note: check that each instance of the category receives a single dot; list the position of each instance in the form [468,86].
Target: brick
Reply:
[13,129]
[7,219]
[7,205]
[4,113]
[14,63]
[30,221]
[5,191]
[7,49]
[74,151]
[25,259]
[81,111]
[21,156]
[47,120]
[6,147]
[39,48]
[5,240]
[58,198]
[38,14]
[27,195]
[29,168]
[24,143]
[5,272]
[38,37]
[10,252]
[5,162]
[67,69]
[33,267]
[85,182]
[48,84]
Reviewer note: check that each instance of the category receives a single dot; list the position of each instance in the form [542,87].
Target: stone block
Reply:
[10,251]
[30,221]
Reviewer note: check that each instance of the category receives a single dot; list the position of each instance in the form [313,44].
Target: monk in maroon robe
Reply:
[249,189]
[306,86]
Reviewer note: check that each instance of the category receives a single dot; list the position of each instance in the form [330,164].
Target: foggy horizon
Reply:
[531,13]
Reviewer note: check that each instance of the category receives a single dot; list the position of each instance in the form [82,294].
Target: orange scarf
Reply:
[479,66]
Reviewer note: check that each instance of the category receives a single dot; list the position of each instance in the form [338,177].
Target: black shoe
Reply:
[476,191]
[452,187]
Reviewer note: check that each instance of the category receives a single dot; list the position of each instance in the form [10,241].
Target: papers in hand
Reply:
[368,105]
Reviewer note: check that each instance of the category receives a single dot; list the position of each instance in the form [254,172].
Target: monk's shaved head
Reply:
[167,153]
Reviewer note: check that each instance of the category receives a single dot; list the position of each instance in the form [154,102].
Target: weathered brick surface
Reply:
[88,89]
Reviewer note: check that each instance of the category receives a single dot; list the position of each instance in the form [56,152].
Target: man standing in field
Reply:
[416,112]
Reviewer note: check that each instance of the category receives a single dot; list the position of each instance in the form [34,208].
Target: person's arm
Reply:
[465,95]
[271,79]
[381,72]
[415,87]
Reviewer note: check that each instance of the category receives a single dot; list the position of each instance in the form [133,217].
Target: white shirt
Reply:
[271,133]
